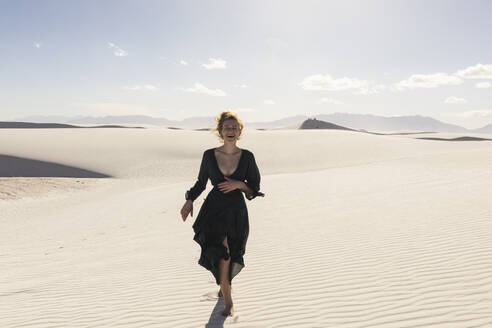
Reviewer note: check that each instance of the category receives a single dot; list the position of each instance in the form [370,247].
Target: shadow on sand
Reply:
[457,139]
[29,125]
[216,319]
[11,166]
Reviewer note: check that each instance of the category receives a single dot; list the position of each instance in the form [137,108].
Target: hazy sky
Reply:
[263,59]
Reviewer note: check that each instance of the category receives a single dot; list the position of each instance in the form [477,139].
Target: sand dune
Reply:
[356,230]
[30,125]
[318,124]
[311,124]
[457,139]
[12,166]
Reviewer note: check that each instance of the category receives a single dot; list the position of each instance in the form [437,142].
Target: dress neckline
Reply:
[237,167]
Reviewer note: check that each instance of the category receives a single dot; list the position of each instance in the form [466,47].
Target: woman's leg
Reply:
[225,286]
[220,291]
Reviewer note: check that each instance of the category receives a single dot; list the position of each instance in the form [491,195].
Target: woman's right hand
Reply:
[187,208]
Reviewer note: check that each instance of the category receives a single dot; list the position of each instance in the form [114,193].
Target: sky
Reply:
[264,60]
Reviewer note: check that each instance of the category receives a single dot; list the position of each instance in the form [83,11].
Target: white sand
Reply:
[355,230]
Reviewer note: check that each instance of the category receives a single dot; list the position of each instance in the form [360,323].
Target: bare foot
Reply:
[228,310]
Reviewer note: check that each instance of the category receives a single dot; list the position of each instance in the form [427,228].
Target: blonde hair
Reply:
[224,116]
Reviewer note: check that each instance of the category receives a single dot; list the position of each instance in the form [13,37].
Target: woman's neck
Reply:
[229,148]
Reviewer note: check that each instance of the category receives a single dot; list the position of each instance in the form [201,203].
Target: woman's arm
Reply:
[187,209]
[201,181]
[231,184]
[196,190]
[253,180]
[244,187]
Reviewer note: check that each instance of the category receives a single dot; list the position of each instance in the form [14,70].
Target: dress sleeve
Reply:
[201,182]
[253,179]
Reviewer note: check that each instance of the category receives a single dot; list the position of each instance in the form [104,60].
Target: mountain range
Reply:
[352,121]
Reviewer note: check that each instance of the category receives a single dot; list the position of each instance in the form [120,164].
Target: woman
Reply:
[221,227]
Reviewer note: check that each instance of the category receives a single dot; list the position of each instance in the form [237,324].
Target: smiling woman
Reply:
[222,226]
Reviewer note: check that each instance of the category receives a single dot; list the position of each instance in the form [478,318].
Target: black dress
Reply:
[223,214]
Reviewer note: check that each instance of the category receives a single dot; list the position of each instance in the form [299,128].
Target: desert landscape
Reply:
[355,230]
[370,123]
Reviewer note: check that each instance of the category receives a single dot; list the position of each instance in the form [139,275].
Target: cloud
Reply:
[329,101]
[183,62]
[200,88]
[117,50]
[268,102]
[242,86]
[327,83]
[478,71]
[215,63]
[37,45]
[483,85]
[474,114]
[455,100]
[428,81]
[142,87]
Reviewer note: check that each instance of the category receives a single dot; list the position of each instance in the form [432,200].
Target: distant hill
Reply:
[485,129]
[397,123]
[317,124]
[198,122]
[123,119]
[288,122]
[29,125]
[46,118]
[352,121]
[127,119]
[193,122]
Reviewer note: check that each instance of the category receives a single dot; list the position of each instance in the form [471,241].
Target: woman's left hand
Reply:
[229,185]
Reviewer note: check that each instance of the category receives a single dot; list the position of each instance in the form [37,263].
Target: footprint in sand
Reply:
[210,296]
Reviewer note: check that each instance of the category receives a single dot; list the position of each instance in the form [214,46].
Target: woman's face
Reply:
[230,130]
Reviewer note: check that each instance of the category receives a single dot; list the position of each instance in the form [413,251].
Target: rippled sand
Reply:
[355,230]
